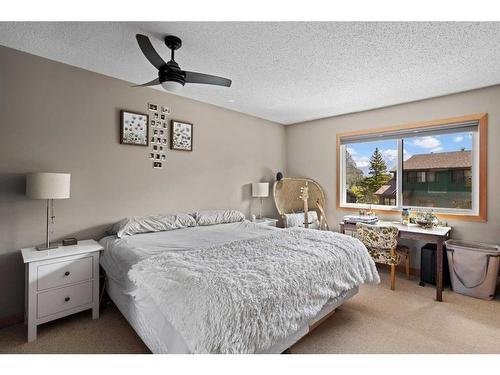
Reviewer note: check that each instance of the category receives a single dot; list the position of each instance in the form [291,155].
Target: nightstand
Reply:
[266,221]
[60,282]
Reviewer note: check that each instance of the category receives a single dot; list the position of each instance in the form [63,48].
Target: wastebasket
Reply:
[428,267]
[473,268]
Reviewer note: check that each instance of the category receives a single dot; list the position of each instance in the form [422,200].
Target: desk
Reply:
[435,235]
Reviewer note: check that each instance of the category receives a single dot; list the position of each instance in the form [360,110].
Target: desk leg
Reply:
[342,228]
[439,270]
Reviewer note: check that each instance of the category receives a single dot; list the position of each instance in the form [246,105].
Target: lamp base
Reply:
[41,248]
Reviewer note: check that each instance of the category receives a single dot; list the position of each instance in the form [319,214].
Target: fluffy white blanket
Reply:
[243,296]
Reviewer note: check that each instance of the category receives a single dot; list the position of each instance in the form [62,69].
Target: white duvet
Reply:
[243,296]
[121,254]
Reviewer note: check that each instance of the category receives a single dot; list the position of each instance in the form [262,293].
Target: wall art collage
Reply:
[158,134]
[152,129]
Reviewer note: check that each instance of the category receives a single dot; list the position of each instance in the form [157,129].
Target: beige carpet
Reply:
[377,320]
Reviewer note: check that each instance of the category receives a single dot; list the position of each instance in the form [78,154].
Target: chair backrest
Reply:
[377,237]
[287,191]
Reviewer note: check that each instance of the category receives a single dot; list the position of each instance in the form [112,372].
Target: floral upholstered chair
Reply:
[382,244]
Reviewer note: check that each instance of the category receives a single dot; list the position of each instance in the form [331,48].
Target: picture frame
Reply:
[134,129]
[152,107]
[181,136]
[157,165]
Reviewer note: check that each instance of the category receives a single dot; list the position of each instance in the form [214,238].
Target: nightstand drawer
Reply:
[63,273]
[55,301]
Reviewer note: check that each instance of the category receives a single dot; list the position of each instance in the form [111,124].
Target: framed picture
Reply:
[152,107]
[157,164]
[134,129]
[181,136]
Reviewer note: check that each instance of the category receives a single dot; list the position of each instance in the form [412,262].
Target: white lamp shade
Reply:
[172,86]
[260,189]
[48,185]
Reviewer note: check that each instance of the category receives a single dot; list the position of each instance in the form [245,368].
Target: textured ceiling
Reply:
[285,72]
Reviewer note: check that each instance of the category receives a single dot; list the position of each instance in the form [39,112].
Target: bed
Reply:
[134,264]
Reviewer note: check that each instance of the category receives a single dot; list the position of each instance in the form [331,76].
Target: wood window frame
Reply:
[481,118]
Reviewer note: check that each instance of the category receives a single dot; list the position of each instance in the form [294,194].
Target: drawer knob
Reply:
[66,299]
[66,273]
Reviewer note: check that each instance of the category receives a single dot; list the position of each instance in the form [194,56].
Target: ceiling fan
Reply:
[170,75]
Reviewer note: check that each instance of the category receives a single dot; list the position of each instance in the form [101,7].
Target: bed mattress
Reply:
[140,309]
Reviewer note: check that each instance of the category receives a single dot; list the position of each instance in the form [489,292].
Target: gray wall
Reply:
[58,118]
[311,150]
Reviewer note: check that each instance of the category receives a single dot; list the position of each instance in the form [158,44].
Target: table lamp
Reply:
[48,186]
[260,190]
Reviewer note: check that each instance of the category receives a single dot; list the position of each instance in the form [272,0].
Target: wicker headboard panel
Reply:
[287,191]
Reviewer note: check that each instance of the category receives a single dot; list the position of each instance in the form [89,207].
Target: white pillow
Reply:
[152,223]
[297,220]
[212,217]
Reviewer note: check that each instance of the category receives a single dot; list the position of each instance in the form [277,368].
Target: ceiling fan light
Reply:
[172,86]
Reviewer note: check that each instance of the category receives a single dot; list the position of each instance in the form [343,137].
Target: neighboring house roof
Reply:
[387,190]
[439,160]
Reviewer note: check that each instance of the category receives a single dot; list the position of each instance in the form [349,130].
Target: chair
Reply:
[382,244]
[287,192]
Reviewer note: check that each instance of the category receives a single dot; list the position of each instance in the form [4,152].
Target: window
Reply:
[431,176]
[420,176]
[468,177]
[368,172]
[446,154]
[436,164]
[457,177]
[411,177]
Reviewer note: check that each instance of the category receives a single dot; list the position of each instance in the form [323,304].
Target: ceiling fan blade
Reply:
[149,51]
[154,82]
[207,79]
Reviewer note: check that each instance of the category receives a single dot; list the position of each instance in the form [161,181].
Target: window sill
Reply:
[443,215]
